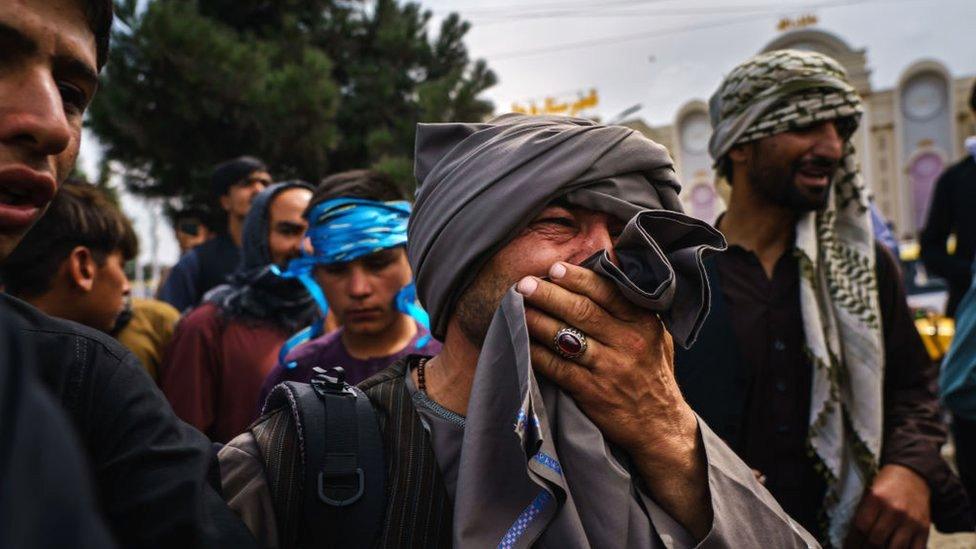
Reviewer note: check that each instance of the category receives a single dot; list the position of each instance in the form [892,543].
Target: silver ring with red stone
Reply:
[569,343]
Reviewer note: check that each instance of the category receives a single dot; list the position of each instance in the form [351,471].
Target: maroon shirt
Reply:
[768,327]
[328,351]
[214,368]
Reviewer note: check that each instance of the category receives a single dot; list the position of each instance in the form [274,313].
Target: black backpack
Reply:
[341,471]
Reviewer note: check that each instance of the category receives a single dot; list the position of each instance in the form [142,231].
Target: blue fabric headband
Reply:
[342,230]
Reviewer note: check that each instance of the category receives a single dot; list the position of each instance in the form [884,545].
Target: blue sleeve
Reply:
[957,381]
[180,288]
[881,231]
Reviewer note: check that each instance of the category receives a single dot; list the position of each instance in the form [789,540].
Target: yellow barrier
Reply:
[936,331]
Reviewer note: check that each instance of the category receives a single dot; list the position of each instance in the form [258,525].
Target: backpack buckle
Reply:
[340,482]
[331,381]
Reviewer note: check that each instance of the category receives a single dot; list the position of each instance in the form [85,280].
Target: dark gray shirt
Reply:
[446,430]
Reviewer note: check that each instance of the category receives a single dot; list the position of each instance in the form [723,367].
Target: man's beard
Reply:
[777,182]
[477,305]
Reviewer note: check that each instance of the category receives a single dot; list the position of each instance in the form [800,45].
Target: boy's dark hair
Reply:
[233,171]
[199,213]
[99,14]
[357,184]
[79,215]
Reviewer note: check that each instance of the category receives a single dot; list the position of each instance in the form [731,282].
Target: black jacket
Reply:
[952,211]
[46,500]
[150,469]
[202,268]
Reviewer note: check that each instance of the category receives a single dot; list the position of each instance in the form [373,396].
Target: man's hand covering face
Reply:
[480,183]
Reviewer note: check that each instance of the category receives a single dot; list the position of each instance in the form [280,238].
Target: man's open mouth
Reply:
[23,194]
[815,175]
[15,197]
[364,314]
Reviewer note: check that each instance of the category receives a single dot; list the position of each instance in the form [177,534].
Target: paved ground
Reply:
[953,541]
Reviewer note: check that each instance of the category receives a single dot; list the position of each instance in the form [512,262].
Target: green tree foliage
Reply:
[311,86]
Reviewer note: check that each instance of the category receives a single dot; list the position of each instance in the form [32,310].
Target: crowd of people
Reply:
[537,347]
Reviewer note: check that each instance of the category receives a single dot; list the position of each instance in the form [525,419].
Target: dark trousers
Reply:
[964,435]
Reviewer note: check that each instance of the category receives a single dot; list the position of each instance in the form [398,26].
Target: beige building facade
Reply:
[907,137]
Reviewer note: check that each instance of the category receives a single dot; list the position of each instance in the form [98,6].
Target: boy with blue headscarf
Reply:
[360,275]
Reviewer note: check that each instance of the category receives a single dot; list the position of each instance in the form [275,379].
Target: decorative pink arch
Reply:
[923,171]
[703,201]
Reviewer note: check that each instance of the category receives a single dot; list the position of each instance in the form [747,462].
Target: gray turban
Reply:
[479,184]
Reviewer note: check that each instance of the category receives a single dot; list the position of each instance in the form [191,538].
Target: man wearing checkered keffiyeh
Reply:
[828,392]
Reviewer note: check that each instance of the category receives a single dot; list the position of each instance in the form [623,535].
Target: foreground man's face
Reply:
[558,233]
[47,79]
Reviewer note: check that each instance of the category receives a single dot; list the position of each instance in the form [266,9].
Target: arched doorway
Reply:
[703,201]
[923,171]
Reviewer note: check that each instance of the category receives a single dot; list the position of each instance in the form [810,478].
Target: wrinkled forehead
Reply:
[289,205]
[578,210]
[248,180]
[621,197]
[52,28]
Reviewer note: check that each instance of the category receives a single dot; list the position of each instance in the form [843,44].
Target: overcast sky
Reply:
[661,53]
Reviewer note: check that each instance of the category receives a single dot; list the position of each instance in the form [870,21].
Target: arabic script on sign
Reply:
[800,22]
[552,105]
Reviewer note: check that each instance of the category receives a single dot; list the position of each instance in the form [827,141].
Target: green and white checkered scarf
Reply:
[787,90]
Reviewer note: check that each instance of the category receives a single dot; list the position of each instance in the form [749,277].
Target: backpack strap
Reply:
[343,496]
